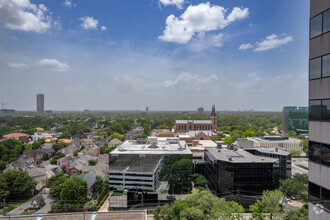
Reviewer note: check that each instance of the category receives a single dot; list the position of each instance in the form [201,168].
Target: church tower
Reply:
[214,119]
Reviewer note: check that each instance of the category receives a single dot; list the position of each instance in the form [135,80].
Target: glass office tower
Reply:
[319,110]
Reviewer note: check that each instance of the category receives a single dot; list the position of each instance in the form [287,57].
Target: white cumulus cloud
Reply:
[20,66]
[54,65]
[245,46]
[89,22]
[199,18]
[25,16]
[273,41]
[69,3]
[104,28]
[177,3]
[191,80]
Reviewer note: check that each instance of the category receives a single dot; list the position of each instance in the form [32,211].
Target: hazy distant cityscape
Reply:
[166,109]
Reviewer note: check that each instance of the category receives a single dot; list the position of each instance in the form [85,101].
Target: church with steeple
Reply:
[197,125]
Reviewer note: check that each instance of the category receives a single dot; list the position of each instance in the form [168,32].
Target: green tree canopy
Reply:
[296,214]
[74,191]
[16,182]
[177,171]
[199,205]
[55,183]
[296,187]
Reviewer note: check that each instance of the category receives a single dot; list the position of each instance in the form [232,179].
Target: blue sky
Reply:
[165,54]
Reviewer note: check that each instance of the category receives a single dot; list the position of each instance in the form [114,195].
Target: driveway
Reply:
[44,210]
[49,200]
[18,210]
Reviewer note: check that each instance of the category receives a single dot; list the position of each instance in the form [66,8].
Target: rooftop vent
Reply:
[153,146]
[230,159]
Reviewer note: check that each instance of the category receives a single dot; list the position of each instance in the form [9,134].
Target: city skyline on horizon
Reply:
[111,55]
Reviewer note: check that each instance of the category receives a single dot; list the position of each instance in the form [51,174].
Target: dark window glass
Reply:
[326,110]
[326,21]
[326,66]
[316,26]
[325,154]
[326,198]
[315,110]
[314,192]
[314,152]
[315,68]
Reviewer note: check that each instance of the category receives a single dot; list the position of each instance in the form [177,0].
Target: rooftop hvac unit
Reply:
[152,140]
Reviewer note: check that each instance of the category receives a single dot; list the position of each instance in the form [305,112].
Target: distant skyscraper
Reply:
[319,111]
[200,110]
[147,109]
[295,119]
[40,103]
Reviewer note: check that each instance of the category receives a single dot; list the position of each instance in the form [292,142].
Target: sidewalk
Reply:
[105,206]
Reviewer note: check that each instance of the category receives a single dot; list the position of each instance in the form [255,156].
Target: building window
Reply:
[315,70]
[319,153]
[325,110]
[326,65]
[326,198]
[316,26]
[314,192]
[326,21]
[315,110]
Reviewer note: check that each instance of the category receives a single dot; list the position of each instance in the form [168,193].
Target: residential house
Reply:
[90,179]
[114,143]
[15,135]
[38,202]
[33,153]
[39,175]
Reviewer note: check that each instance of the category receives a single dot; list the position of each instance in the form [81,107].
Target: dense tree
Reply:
[177,171]
[118,136]
[257,210]
[199,205]
[55,183]
[58,146]
[296,214]
[115,127]
[272,201]
[292,133]
[106,150]
[146,128]
[10,149]
[295,153]
[304,145]
[100,184]
[16,182]
[296,187]
[92,162]
[228,140]
[90,205]
[199,180]
[74,191]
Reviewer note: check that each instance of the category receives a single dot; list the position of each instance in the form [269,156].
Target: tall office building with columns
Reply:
[319,110]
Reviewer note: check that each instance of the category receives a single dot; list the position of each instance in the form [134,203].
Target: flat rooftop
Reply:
[273,139]
[238,156]
[193,121]
[270,150]
[134,163]
[153,145]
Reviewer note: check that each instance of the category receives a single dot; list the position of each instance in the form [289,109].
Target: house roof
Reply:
[115,141]
[89,177]
[15,135]
[40,199]
[35,172]
[67,141]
